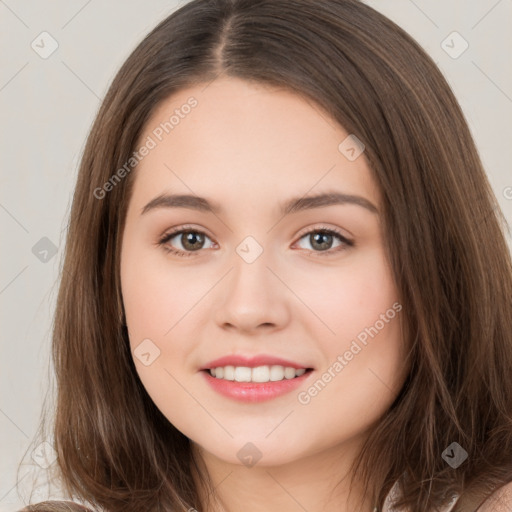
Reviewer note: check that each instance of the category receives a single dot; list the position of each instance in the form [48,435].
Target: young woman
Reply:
[286,284]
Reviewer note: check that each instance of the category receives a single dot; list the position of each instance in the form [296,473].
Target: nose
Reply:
[252,298]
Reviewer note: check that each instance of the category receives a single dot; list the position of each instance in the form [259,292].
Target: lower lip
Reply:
[254,391]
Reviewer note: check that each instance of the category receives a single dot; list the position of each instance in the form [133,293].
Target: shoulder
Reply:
[499,501]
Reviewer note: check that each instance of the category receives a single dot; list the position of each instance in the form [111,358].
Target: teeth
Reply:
[259,374]
[242,374]
[229,372]
[289,373]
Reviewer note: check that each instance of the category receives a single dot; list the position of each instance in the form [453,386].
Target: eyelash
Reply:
[186,229]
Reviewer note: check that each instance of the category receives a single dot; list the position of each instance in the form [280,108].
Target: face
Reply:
[253,235]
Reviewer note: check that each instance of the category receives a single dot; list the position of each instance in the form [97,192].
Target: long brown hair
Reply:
[444,237]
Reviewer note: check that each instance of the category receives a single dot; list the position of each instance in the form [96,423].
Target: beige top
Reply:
[500,501]
[395,492]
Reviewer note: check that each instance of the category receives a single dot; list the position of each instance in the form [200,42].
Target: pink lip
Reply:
[254,392]
[251,362]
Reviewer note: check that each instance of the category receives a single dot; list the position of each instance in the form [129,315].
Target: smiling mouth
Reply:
[259,374]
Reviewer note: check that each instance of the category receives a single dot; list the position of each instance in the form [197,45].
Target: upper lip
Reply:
[252,362]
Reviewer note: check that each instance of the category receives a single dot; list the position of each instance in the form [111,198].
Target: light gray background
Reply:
[48,106]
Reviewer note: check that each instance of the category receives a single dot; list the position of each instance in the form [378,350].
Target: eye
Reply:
[187,240]
[323,240]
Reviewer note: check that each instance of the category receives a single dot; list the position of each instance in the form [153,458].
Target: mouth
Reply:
[253,384]
[259,374]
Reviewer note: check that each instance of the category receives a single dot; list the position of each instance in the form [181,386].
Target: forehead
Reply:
[233,137]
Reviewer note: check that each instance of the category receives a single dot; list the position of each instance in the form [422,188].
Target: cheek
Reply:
[155,299]
[360,337]
[348,299]
[157,296]
[159,302]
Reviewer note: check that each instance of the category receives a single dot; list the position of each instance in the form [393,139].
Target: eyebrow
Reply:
[291,206]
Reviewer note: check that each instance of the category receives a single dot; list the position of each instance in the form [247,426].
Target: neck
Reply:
[316,483]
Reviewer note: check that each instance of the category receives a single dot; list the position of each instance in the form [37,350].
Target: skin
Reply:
[249,148]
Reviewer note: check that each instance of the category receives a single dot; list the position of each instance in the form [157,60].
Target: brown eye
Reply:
[184,242]
[321,241]
[192,240]
[325,240]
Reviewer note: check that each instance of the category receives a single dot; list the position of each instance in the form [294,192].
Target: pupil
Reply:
[190,238]
[323,240]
